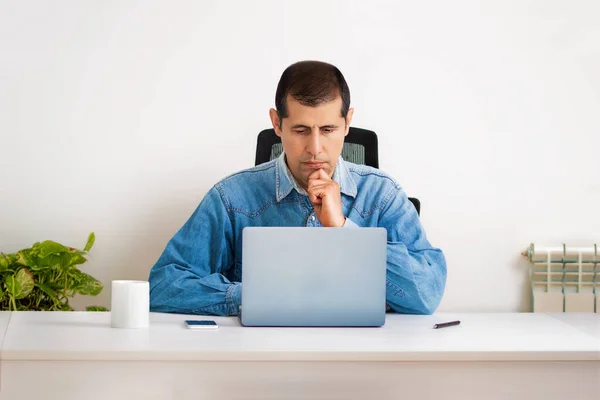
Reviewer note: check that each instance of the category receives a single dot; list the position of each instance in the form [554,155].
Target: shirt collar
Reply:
[286,181]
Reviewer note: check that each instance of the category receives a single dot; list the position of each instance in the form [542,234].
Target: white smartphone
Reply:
[201,324]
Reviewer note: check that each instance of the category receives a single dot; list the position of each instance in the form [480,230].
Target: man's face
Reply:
[312,137]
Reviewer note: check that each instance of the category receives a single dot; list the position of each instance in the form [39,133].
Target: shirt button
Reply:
[312,217]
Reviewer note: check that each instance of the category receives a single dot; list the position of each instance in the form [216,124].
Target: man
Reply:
[309,185]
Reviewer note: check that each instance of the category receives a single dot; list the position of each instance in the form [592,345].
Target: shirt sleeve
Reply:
[416,271]
[188,277]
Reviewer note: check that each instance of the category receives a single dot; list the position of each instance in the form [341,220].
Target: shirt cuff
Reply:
[349,224]
[233,298]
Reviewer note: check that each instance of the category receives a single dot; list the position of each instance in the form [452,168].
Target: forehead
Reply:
[325,112]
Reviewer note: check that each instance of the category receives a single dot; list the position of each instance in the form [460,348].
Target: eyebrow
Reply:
[331,126]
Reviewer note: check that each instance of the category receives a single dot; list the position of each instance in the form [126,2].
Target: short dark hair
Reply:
[311,83]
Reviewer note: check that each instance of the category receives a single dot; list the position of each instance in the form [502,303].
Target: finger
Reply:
[323,174]
[314,198]
[314,174]
[316,182]
[323,188]
[319,174]
[319,190]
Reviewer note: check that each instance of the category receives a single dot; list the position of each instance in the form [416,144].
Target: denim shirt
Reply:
[200,271]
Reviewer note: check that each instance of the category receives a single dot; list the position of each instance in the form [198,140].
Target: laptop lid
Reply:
[298,276]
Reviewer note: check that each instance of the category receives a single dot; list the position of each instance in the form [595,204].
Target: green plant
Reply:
[45,276]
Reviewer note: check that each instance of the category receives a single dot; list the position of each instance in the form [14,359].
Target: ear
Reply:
[349,120]
[275,121]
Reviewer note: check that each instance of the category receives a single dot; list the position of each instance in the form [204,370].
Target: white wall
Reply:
[117,116]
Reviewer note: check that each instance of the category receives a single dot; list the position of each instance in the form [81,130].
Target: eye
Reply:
[300,131]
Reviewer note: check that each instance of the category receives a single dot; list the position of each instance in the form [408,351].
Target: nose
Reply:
[314,143]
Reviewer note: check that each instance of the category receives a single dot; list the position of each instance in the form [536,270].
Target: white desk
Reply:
[586,322]
[491,356]
[4,319]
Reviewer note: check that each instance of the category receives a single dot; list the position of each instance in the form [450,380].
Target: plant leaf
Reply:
[49,247]
[66,260]
[25,280]
[12,286]
[86,284]
[4,262]
[46,262]
[74,259]
[24,257]
[90,242]
[48,291]
[96,308]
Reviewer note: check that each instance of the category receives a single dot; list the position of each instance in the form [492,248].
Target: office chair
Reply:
[360,147]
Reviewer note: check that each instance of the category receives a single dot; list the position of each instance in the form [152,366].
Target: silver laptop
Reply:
[301,276]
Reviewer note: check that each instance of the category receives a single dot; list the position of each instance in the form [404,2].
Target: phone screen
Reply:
[200,323]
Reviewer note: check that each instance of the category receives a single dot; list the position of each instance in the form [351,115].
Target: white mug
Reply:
[130,304]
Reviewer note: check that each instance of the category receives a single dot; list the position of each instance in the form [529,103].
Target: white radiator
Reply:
[564,278]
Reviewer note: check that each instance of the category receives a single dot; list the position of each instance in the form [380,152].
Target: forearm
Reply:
[174,290]
[189,276]
[416,271]
[415,281]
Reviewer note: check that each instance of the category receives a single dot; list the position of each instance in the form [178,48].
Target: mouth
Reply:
[314,165]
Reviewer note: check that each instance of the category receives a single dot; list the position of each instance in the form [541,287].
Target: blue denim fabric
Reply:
[200,270]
